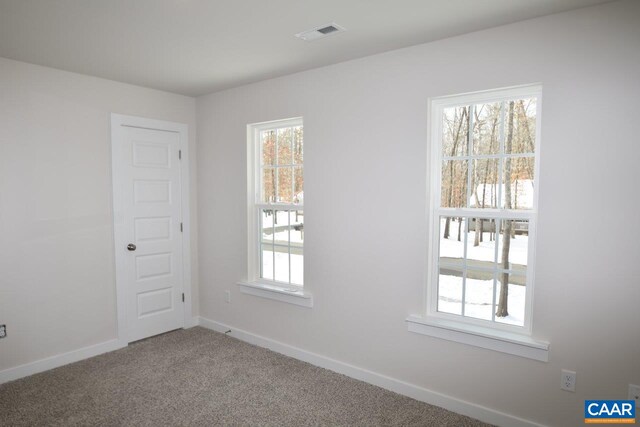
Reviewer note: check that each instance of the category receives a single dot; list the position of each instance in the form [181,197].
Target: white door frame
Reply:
[120,237]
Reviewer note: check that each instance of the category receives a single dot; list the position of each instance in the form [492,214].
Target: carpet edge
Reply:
[31,368]
[413,391]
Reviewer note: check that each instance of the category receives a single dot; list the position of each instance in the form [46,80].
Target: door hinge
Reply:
[183,297]
[180,154]
[181,227]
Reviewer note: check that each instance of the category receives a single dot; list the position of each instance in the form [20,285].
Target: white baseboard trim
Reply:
[422,394]
[194,321]
[56,361]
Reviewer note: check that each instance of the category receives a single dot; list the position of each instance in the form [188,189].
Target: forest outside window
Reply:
[484,207]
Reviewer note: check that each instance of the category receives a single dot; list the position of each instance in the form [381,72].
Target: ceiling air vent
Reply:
[320,32]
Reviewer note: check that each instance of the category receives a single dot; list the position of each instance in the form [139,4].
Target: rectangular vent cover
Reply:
[320,32]
[329,29]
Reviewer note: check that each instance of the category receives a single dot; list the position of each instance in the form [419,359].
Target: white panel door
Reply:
[148,232]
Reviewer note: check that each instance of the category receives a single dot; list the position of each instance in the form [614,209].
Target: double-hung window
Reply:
[484,191]
[276,208]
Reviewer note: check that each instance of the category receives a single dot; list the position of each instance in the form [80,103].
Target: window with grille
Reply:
[484,162]
[277,202]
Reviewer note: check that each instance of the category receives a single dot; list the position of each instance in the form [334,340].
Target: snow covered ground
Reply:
[486,251]
[282,267]
[479,292]
[479,299]
[282,264]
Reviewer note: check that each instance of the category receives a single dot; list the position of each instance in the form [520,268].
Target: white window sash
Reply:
[435,159]
[256,205]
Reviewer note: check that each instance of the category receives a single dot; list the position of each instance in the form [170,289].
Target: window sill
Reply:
[501,341]
[296,296]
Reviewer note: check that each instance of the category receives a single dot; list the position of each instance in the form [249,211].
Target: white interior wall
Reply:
[57,281]
[365,159]
[365,125]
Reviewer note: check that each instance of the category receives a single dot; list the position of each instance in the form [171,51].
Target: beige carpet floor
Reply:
[197,377]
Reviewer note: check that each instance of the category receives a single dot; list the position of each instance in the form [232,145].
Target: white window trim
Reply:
[501,341]
[255,285]
[274,291]
[500,337]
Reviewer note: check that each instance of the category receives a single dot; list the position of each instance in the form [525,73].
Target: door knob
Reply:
[131,247]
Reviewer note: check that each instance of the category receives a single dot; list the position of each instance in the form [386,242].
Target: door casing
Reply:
[120,234]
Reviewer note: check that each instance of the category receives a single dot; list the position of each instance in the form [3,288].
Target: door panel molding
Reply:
[147,155]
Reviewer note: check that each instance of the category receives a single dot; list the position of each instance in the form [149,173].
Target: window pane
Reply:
[523,113]
[484,186]
[298,183]
[455,131]
[296,219]
[518,172]
[513,252]
[511,305]
[281,228]
[266,261]
[268,181]
[454,184]
[297,265]
[486,129]
[297,145]
[284,146]
[268,144]
[284,185]
[266,219]
[450,291]
[282,263]
[481,243]
[478,300]
[452,241]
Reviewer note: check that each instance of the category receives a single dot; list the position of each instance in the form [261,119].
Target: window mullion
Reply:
[464,291]
[260,226]
[291,157]
[498,225]
[291,162]
[275,181]
[470,124]
[289,242]
[258,151]
[487,213]
[273,243]
[489,156]
[464,264]
[501,135]
[469,150]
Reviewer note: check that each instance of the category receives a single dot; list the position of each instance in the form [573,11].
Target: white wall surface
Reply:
[57,280]
[365,159]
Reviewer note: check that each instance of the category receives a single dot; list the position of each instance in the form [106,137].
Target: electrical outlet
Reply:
[3,331]
[634,394]
[227,296]
[568,380]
